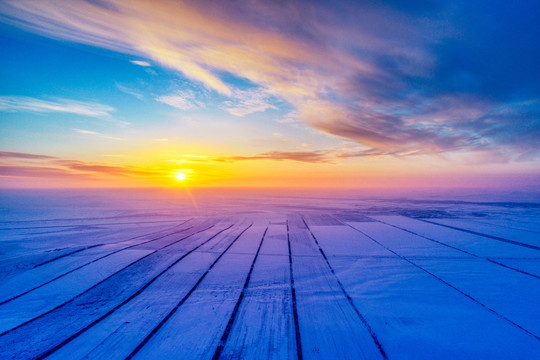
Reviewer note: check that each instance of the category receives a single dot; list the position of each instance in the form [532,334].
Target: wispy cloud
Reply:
[33,171]
[329,155]
[302,156]
[140,63]
[108,169]
[248,101]
[130,91]
[183,100]
[29,104]
[19,155]
[95,133]
[308,156]
[53,167]
[292,118]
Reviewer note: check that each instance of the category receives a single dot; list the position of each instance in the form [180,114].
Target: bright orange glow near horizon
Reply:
[162,169]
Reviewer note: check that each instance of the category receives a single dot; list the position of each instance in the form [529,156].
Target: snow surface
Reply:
[273,277]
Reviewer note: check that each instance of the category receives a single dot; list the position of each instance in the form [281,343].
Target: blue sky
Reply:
[359,86]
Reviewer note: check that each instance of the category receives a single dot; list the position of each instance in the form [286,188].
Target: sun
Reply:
[180,176]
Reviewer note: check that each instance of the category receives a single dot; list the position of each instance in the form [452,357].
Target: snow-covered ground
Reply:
[105,276]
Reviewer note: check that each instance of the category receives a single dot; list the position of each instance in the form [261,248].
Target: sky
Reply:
[300,94]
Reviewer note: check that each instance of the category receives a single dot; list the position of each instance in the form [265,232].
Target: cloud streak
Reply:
[330,155]
[107,169]
[301,156]
[140,63]
[248,102]
[33,171]
[180,100]
[29,104]
[98,134]
[52,167]
[129,91]
[19,155]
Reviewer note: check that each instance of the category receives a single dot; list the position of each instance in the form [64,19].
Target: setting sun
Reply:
[180,176]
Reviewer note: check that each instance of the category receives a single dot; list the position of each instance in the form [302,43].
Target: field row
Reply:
[301,285]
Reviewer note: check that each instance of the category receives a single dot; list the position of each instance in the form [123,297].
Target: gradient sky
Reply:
[270,93]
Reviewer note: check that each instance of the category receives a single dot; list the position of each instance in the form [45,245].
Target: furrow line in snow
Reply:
[481,234]
[82,218]
[448,284]
[362,318]
[97,245]
[64,255]
[230,323]
[85,225]
[118,242]
[513,268]
[171,313]
[159,232]
[458,249]
[97,259]
[134,295]
[299,353]
[424,237]
[102,281]
[487,222]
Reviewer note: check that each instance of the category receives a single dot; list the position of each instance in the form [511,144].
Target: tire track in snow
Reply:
[230,323]
[447,284]
[171,313]
[362,318]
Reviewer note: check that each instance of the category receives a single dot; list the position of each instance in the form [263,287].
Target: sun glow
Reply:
[180,176]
